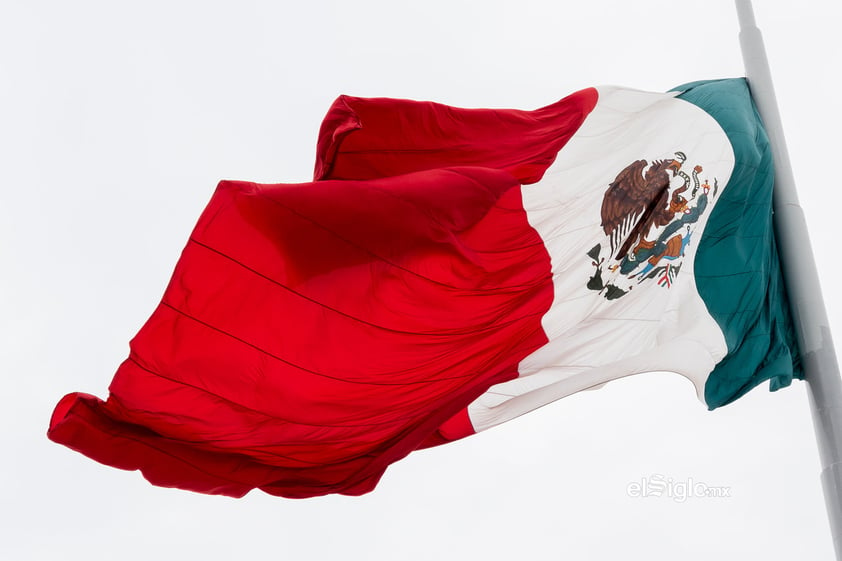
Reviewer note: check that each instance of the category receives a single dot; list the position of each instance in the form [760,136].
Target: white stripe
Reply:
[593,340]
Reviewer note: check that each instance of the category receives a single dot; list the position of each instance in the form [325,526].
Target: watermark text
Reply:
[679,490]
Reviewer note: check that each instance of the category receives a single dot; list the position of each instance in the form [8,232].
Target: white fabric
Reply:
[593,340]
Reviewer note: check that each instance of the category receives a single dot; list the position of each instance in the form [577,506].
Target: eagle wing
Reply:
[632,202]
[625,197]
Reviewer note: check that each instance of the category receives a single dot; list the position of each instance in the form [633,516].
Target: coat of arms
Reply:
[649,213]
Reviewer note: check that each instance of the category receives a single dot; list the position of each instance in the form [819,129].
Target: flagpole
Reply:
[821,369]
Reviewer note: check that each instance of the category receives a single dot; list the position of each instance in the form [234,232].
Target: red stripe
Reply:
[313,334]
[368,138]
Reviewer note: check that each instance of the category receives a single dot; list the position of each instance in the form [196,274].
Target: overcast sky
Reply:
[118,119]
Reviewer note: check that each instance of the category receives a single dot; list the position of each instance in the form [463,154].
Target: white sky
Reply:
[117,122]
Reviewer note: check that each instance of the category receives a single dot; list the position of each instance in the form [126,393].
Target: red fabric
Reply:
[368,138]
[312,334]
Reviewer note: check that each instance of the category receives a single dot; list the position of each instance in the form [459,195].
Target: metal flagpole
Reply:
[821,369]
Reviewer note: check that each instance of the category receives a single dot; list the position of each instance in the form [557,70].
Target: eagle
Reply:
[638,199]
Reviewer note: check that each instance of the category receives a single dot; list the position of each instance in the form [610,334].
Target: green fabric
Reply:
[738,273]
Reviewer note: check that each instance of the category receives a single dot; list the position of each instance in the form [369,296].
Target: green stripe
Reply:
[738,273]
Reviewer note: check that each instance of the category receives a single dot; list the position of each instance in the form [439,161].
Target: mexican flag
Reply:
[448,270]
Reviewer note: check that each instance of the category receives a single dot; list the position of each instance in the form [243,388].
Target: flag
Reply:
[448,270]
